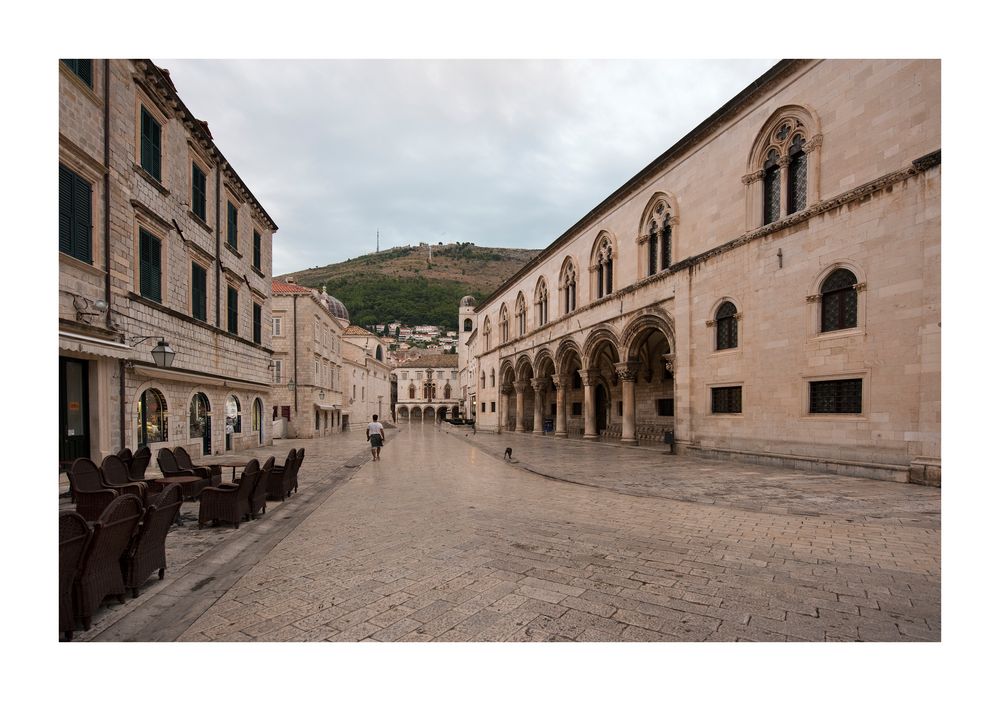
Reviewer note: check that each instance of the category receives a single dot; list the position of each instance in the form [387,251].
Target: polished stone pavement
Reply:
[442,540]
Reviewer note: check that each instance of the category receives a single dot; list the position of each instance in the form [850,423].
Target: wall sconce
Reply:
[291,385]
[82,304]
[270,365]
[322,395]
[163,354]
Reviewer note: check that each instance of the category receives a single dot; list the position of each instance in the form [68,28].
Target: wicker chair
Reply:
[74,533]
[147,551]
[90,494]
[168,464]
[213,473]
[100,570]
[279,481]
[229,502]
[139,463]
[114,474]
[258,498]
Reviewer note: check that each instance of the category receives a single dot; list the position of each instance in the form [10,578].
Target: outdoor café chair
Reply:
[90,494]
[258,498]
[183,459]
[100,570]
[168,465]
[114,474]
[229,502]
[300,455]
[147,552]
[140,461]
[279,482]
[73,536]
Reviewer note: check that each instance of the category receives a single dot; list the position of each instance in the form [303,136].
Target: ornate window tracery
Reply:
[783,166]
[604,261]
[541,303]
[567,286]
[520,314]
[504,325]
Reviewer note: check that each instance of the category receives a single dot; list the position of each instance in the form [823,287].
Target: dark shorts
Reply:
[376,440]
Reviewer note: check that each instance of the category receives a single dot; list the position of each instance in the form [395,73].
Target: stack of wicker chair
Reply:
[147,551]
[229,502]
[280,481]
[74,535]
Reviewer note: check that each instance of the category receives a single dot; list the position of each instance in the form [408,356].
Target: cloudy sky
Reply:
[500,153]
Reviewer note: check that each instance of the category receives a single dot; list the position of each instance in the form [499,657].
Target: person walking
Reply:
[375,434]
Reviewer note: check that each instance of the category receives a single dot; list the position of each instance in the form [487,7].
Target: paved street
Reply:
[443,541]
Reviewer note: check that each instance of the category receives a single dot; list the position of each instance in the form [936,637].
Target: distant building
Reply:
[365,383]
[427,389]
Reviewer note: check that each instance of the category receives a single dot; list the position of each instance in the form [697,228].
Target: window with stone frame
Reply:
[604,267]
[82,68]
[276,326]
[504,325]
[659,244]
[150,266]
[567,286]
[232,310]
[835,396]
[726,327]
[520,314]
[256,250]
[199,192]
[277,372]
[150,146]
[151,418]
[493,378]
[839,301]
[727,400]
[199,292]
[232,226]
[541,303]
[783,161]
[75,215]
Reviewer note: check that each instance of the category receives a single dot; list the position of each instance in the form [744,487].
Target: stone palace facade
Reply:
[768,289]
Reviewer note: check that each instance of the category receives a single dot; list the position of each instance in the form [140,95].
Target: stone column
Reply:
[521,386]
[589,378]
[505,392]
[627,372]
[539,387]
[561,382]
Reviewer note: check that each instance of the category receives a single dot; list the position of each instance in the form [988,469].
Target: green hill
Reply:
[401,284]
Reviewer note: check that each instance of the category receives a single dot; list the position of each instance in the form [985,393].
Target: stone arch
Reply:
[543,357]
[403,413]
[160,394]
[441,413]
[638,328]
[507,374]
[568,285]
[568,348]
[523,369]
[429,414]
[805,119]
[599,335]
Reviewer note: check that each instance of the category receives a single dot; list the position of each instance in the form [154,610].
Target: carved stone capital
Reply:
[710,322]
[521,386]
[589,377]
[627,370]
[668,361]
[738,316]
[643,239]
[753,177]
[785,161]
[861,286]
[561,381]
[540,384]
[814,298]
[813,143]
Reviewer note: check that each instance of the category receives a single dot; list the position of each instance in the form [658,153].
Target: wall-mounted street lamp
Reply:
[322,395]
[163,354]
[82,304]
[291,385]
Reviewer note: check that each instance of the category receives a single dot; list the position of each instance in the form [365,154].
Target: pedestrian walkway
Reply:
[443,540]
[644,471]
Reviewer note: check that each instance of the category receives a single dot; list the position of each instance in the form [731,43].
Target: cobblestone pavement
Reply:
[442,540]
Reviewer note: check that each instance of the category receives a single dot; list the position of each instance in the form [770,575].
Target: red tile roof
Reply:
[288,288]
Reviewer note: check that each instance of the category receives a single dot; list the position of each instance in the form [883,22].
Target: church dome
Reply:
[335,306]
[467,301]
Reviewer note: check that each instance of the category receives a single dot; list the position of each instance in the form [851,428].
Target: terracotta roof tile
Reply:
[288,288]
[445,360]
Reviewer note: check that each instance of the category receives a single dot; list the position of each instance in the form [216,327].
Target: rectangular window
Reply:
[149,266]
[198,192]
[199,292]
[493,407]
[75,220]
[577,408]
[232,236]
[727,400]
[665,407]
[835,397]
[232,311]
[256,323]
[149,143]
[484,407]
[276,326]
[83,68]
[256,249]
[277,372]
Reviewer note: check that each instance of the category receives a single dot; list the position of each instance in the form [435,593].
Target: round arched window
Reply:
[726,335]
[840,300]
[151,418]
[233,418]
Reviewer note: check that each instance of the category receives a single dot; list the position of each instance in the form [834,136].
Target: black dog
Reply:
[508,454]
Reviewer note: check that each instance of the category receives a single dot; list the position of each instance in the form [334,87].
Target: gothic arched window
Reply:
[567,286]
[726,330]
[772,188]
[660,230]
[520,314]
[840,300]
[413,391]
[541,303]
[604,266]
[504,325]
[784,161]
[487,329]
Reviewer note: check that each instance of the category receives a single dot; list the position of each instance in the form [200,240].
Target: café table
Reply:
[233,465]
[191,486]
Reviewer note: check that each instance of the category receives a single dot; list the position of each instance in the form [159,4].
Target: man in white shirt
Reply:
[375,434]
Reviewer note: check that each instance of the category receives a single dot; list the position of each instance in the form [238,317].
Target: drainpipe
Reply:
[218,251]
[295,350]
[121,390]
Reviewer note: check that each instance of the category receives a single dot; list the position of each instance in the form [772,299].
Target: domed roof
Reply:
[335,306]
[467,301]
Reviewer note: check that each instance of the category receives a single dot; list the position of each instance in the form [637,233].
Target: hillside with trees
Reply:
[402,284]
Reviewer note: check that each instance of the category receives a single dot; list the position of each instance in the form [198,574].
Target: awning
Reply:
[327,407]
[199,379]
[89,345]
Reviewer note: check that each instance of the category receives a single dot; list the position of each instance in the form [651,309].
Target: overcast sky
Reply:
[500,153]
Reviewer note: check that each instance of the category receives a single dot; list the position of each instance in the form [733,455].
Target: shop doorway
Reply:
[74,416]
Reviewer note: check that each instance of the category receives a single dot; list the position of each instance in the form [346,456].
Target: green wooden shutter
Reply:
[256,250]
[65,210]
[82,220]
[198,292]
[256,323]
[145,263]
[155,269]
